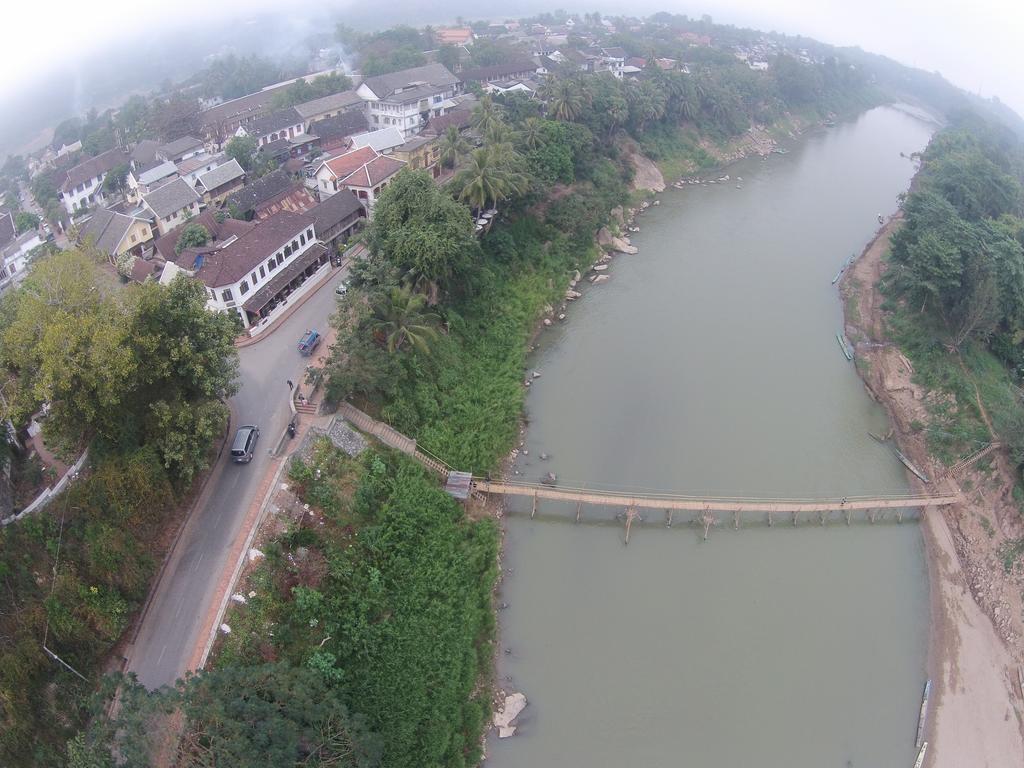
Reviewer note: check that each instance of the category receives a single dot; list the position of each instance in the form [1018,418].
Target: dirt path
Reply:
[976,607]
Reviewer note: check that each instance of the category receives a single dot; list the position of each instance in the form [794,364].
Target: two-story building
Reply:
[361,170]
[282,124]
[254,274]
[513,70]
[409,98]
[142,182]
[336,132]
[172,204]
[194,167]
[420,152]
[14,255]
[338,217]
[83,184]
[264,197]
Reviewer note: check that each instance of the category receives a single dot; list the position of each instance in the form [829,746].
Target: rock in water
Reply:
[514,704]
[549,479]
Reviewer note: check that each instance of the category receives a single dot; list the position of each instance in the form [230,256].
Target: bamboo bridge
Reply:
[706,508]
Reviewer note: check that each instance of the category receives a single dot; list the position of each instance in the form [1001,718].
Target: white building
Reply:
[253,275]
[409,98]
[83,185]
[172,204]
[14,258]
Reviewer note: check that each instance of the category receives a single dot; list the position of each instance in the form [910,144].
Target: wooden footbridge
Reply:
[705,508]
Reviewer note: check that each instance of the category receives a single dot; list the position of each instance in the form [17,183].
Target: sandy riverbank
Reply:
[977,716]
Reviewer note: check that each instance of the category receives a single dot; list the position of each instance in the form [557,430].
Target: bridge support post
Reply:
[736,520]
[847,516]
[533,512]
[871,516]
[708,520]
[579,510]
[630,514]
[899,515]
[770,523]
[668,518]
[821,516]
[795,514]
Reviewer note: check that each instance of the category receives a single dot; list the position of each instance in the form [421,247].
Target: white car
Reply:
[342,288]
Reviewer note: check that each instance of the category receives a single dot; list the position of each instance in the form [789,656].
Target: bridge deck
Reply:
[711,504]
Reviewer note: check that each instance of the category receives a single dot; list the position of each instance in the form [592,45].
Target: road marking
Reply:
[162,652]
[181,604]
[198,561]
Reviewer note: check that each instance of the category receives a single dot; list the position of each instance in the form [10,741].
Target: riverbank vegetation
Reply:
[956,286]
[137,376]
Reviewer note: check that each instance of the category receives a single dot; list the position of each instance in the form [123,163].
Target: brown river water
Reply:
[709,364]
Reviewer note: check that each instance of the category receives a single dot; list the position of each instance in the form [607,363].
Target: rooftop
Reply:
[219,230]
[171,197]
[173,149]
[185,167]
[379,140]
[340,100]
[261,190]
[334,210]
[374,172]
[498,71]
[341,126]
[7,228]
[157,172]
[93,167]
[233,262]
[106,229]
[435,74]
[221,175]
[276,121]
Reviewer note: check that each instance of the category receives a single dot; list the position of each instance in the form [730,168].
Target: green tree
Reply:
[25,221]
[242,149]
[422,233]
[565,99]
[486,115]
[115,179]
[400,316]
[449,56]
[192,235]
[487,179]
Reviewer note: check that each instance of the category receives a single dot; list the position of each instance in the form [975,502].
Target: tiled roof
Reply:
[283,118]
[334,210]
[453,35]
[245,105]
[340,100]
[344,164]
[233,262]
[106,229]
[221,175]
[185,167]
[171,197]
[94,166]
[342,126]
[435,74]
[259,191]
[144,152]
[460,118]
[374,172]
[221,230]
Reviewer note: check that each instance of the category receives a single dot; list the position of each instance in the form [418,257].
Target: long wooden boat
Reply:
[843,346]
[924,714]
[920,755]
[909,465]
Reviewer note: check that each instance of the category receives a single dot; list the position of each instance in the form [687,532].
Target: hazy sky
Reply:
[973,44]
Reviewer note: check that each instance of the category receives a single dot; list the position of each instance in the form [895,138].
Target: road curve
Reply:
[171,628]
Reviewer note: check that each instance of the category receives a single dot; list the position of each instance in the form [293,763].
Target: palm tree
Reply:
[398,316]
[564,99]
[488,177]
[453,147]
[531,135]
[486,115]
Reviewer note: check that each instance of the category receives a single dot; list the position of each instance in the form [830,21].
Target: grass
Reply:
[1011,552]
[675,151]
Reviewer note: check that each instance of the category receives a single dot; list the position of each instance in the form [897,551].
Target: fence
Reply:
[393,438]
[48,493]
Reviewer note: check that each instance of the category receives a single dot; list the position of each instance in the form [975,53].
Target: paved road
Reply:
[171,628]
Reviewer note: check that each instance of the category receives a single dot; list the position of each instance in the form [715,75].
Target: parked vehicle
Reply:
[310,340]
[245,444]
[342,288]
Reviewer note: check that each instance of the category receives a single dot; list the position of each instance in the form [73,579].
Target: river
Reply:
[708,363]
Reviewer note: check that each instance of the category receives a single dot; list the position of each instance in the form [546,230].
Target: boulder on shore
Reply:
[620,245]
[604,237]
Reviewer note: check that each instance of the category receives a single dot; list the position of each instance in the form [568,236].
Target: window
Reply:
[295,245]
[280,258]
[253,278]
[302,239]
[309,233]
[262,272]
[271,265]
[244,287]
[287,250]
[132,237]
[225,295]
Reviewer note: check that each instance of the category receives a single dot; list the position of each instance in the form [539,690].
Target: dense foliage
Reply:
[958,271]
[388,599]
[302,91]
